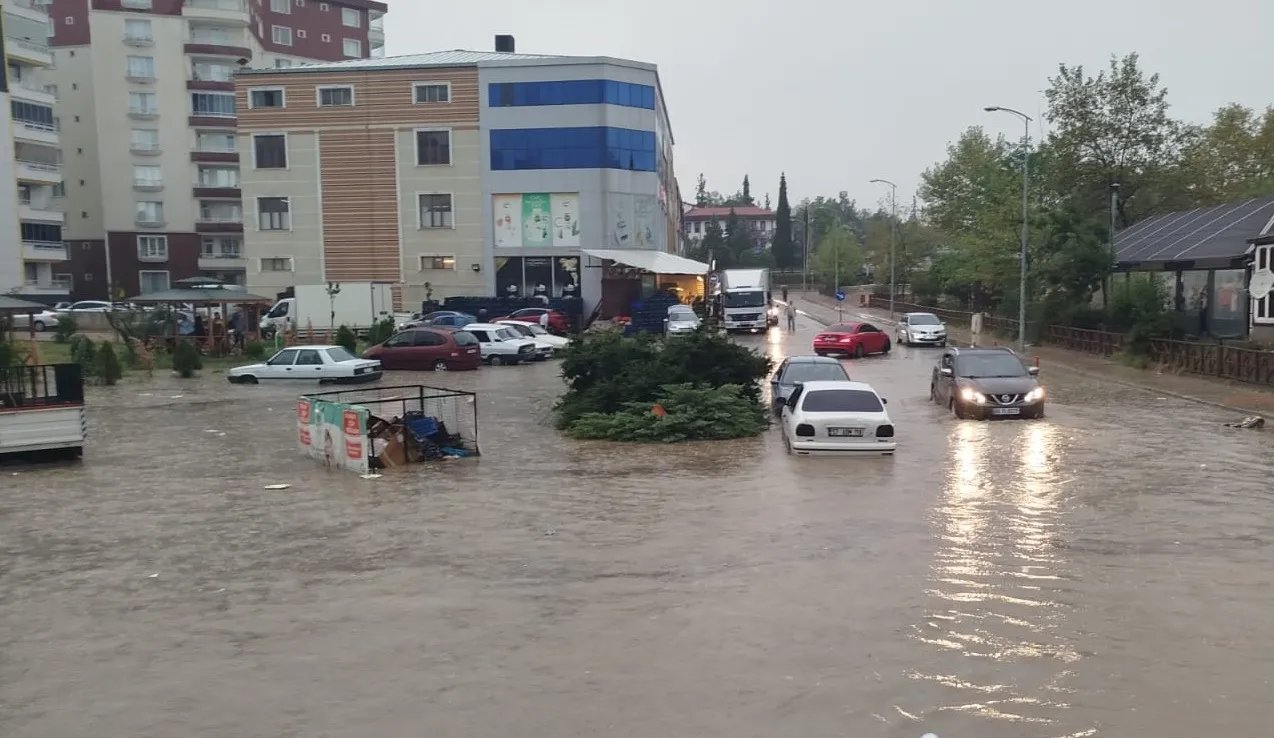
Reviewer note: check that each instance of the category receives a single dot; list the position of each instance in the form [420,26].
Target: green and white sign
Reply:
[536,220]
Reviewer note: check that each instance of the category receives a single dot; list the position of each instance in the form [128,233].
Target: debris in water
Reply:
[176,397]
[370,476]
[276,486]
[1251,421]
[212,430]
[153,576]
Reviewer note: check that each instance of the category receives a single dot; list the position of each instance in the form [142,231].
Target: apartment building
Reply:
[698,220]
[453,173]
[32,254]
[148,114]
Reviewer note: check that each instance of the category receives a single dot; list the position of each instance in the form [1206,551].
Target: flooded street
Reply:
[1106,571]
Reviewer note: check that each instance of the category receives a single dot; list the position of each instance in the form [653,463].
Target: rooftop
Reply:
[453,58]
[1219,232]
[743,211]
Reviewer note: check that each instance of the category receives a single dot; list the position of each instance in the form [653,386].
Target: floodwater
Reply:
[1106,572]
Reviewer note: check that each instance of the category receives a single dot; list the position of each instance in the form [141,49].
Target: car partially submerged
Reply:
[837,419]
[321,364]
[795,370]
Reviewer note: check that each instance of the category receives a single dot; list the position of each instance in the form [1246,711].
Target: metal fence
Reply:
[455,409]
[41,385]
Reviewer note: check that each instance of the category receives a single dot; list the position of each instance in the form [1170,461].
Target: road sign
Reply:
[840,296]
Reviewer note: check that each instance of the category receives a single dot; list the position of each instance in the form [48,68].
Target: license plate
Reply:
[1006,411]
[845,432]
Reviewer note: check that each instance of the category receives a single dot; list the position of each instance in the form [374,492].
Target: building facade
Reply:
[151,160]
[697,221]
[454,173]
[32,252]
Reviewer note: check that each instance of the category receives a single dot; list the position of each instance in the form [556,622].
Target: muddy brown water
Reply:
[1106,571]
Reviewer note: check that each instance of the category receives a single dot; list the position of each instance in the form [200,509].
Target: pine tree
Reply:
[783,247]
[747,191]
[701,192]
[767,201]
[712,247]
[739,241]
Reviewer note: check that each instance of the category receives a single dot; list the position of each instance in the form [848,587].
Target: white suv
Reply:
[500,344]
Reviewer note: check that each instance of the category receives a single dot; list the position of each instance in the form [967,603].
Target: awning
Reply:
[15,305]
[652,261]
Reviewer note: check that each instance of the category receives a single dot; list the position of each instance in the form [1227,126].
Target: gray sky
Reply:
[836,94]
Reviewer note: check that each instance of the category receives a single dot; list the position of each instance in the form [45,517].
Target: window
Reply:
[435,211]
[143,103]
[990,364]
[282,63]
[309,357]
[573,148]
[276,264]
[150,212]
[145,139]
[221,247]
[147,176]
[141,67]
[841,401]
[59,190]
[41,233]
[573,92]
[431,92]
[220,212]
[209,72]
[138,30]
[300,33]
[215,142]
[266,97]
[274,214]
[433,147]
[351,18]
[429,263]
[282,35]
[327,38]
[281,6]
[335,97]
[270,151]
[214,104]
[284,357]
[152,281]
[352,47]
[135,4]
[152,248]
[218,177]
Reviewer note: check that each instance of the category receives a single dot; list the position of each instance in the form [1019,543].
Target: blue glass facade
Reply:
[573,148]
[572,92]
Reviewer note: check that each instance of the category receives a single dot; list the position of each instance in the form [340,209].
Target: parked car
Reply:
[501,344]
[681,319]
[439,319]
[551,320]
[851,339]
[424,349]
[89,306]
[40,321]
[922,329]
[323,364]
[983,383]
[837,418]
[546,344]
[797,369]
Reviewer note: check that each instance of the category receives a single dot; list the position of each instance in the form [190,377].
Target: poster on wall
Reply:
[333,433]
[645,220]
[566,228]
[620,221]
[537,220]
[508,220]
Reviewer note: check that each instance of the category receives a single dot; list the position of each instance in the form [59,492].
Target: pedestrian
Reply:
[791,316]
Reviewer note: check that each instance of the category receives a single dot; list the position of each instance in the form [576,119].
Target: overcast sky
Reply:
[838,93]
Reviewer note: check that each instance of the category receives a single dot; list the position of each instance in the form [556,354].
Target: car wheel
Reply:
[440,366]
[248,379]
[39,326]
[859,351]
[954,407]
[887,347]
[495,361]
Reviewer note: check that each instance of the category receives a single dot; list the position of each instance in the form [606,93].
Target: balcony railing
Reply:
[50,90]
[213,114]
[45,245]
[139,40]
[36,125]
[61,282]
[223,254]
[212,74]
[135,110]
[216,39]
[148,183]
[240,6]
[218,185]
[40,5]
[23,43]
[40,166]
[215,217]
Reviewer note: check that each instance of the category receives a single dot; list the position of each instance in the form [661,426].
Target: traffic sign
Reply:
[840,296]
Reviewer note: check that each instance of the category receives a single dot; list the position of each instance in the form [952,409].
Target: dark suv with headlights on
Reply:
[986,383]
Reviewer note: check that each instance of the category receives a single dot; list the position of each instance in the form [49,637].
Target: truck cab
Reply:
[746,301]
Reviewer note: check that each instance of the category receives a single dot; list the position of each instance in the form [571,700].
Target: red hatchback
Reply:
[552,320]
[851,339]
[424,349]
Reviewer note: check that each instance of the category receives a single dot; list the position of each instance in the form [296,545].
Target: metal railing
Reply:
[45,245]
[148,183]
[206,149]
[221,255]
[23,43]
[133,110]
[240,6]
[35,125]
[40,166]
[210,217]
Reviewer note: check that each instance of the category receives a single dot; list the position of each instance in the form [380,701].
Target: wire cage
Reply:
[41,385]
[456,411]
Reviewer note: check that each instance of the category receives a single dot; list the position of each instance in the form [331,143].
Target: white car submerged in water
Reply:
[837,418]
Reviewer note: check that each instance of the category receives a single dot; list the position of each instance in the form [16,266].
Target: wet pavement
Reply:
[1105,571]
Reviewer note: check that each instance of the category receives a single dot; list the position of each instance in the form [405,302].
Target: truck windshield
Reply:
[749,299]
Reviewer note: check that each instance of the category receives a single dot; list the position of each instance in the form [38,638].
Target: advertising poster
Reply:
[620,221]
[566,228]
[507,211]
[645,222]
[333,433]
[537,220]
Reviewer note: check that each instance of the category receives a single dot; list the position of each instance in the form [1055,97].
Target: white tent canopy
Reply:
[652,261]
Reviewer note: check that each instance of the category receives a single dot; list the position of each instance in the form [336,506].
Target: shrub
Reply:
[107,365]
[65,328]
[346,338]
[186,359]
[84,353]
[254,350]
[381,332]
[691,414]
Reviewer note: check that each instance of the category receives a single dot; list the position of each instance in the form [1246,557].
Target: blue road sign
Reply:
[840,296]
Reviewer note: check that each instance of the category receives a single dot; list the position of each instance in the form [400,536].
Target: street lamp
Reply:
[893,221]
[1026,157]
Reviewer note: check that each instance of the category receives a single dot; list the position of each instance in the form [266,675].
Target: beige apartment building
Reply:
[146,101]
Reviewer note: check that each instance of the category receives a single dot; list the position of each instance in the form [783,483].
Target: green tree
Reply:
[740,239]
[767,201]
[108,369]
[712,247]
[701,192]
[346,338]
[746,192]
[783,246]
[1231,159]
[839,259]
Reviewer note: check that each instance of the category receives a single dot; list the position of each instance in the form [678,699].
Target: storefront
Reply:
[523,276]
[629,276]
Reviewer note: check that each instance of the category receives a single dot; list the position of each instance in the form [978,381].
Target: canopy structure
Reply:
[198,296]
[1211,237]
[14,305]
[652,261]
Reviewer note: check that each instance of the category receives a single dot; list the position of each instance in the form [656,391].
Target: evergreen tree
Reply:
[767,201]
[739,238]
[747,192]
[783,247]
[713,246]
[701,191]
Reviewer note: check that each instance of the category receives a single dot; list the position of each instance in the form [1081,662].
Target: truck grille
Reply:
[746,316]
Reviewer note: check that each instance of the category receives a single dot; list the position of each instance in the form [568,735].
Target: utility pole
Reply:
[1114,255]
[805,253]
[893,241]
[1026,174]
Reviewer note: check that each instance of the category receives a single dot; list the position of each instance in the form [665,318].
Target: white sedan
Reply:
[545,342]
[322,364]
[837,418]
[41,321]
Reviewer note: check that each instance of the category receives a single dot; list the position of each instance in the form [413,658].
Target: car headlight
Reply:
[969,395]
[1035,395]
[774,311]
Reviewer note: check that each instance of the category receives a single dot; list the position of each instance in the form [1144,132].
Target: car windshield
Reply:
[841,401]
[508,334]
[990,364]
[750,298]
[340,354]
[535,329]
[682,315]
[815,372]
[524,330]
[923,319]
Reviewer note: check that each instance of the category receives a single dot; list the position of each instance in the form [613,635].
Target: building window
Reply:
[573,92]
[270,151]
[135,4]
[46,233]
[433,147]
[220,212]
[218,177]
[432,263]
[431,92]
[352,47]
[282,63]
[300,33]
[140,67]
[326,38]
[213,104]
[335,97]
[208,72]
[281,6]
[152,248]
[266,97]
[220,143]
[282,35]
[147,176]
[221,247]
[145,139]
[152,282]
[138,30]
[351,18]
[151,213]
[276,264]
[435,210]
[573,148]
[274,214]
[142,103]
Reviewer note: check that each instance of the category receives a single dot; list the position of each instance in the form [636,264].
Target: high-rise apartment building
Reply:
[148,119]
[32,254]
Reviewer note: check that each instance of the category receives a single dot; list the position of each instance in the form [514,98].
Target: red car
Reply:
[424,349]
[550,320]
[852,339]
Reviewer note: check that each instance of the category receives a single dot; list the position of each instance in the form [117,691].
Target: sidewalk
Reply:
[1246,399]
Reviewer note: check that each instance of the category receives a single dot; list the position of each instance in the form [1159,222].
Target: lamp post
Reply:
[893,224]
[1026,158]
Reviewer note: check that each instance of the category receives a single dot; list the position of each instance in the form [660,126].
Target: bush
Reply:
[381,332]
[346,338]
[107,365]
[186,359]
[691,414]
[1140,306]
[254,350]
[84,353]
[65,328]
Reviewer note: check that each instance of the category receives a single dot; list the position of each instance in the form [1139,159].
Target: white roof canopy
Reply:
[652,261]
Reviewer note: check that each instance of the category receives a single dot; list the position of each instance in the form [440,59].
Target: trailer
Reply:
[42,409]
[359,305]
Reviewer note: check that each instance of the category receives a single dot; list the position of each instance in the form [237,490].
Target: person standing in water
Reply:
[791,316]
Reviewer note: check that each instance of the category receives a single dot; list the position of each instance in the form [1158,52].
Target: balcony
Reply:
[212,120]
[226,12]
[214,156]
[27,131]
[143,113]
[140,77]
[44,251]
[57,285]
[38,172]
[219,222]
[146,149]
[151,220]
[223,259]
[139,41]
[31,10]
[210,192]
[35,53]
[34,93]
[214,45]
[39,213]
[148,185]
